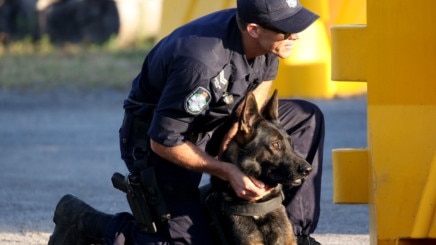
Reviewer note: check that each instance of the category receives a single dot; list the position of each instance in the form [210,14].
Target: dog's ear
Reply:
[248,117]
[271,110]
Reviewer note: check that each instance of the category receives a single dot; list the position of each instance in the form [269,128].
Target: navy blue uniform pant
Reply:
[188,225]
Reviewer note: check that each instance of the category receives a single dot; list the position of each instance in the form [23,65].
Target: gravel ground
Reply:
[65,141]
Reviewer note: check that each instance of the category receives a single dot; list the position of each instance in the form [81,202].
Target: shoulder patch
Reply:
[197,101]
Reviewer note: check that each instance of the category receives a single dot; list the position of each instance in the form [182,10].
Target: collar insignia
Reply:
[220,81]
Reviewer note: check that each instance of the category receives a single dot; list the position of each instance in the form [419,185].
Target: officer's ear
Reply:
[253,30]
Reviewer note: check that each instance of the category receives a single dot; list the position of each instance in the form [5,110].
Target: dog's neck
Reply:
[248,208]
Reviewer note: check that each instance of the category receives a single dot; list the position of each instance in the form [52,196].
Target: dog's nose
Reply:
[305,169]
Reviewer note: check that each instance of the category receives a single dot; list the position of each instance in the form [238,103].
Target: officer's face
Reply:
[280,44]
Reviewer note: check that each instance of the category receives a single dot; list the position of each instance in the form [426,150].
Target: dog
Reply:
[262,149]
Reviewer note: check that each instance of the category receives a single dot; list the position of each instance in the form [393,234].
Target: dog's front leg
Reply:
[245,231]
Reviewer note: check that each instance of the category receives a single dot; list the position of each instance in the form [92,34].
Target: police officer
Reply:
[185,94]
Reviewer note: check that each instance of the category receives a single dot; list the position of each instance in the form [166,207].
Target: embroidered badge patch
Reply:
[197,101]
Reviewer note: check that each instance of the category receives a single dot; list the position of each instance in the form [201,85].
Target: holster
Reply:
[143,194]
[145,199]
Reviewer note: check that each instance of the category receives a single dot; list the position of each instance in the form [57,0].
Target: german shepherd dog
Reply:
[262,149]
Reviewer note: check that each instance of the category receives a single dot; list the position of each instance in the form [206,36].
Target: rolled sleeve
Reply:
[167,131]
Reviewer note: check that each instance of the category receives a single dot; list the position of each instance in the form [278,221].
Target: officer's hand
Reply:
[247,187]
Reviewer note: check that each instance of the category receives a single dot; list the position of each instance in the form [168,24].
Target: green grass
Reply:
[26,66]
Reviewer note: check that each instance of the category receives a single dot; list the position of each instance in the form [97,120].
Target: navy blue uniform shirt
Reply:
[189,79]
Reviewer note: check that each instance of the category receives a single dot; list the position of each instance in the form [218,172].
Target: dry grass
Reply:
[44,67]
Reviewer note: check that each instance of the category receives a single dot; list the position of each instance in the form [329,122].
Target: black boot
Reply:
[77,223]
[306,240]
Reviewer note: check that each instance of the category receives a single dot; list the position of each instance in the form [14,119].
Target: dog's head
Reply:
[263,149]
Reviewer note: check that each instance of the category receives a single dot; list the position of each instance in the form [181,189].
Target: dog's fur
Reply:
[262,149]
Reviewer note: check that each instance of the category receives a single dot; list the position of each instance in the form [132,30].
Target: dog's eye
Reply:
[276,145]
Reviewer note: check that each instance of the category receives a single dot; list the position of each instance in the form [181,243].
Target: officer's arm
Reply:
[190,156]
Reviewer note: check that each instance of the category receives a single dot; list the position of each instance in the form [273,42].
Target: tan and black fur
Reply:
[262,149]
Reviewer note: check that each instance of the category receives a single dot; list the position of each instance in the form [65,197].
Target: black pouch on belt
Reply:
[141,151]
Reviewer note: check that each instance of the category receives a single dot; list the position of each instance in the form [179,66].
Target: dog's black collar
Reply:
[251,209]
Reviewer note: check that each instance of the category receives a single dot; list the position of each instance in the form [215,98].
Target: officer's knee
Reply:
[299,111]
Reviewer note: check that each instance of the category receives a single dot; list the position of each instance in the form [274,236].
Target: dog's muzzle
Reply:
[303,171]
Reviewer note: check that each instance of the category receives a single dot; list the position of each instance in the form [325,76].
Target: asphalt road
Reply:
[53,143]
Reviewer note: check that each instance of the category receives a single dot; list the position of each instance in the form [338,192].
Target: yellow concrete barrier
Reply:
[401,78]
[350,176]
[425,222]
[178,12]
[348,62]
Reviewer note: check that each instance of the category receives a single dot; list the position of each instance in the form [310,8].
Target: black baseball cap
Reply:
[288,16]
